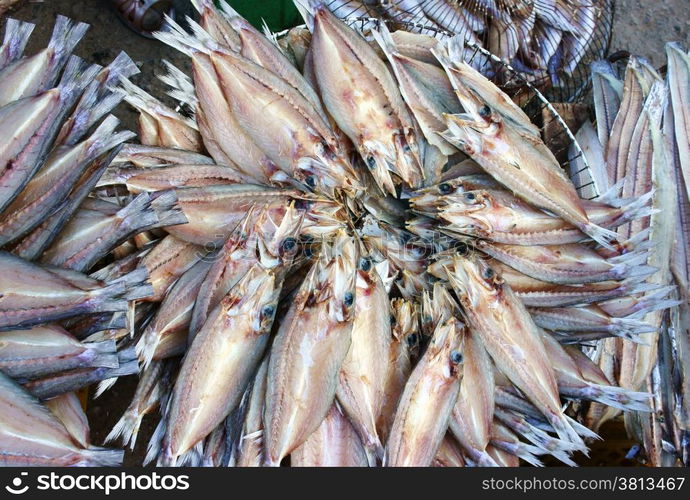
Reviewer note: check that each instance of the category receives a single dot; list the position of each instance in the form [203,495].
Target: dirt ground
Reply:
[641,26]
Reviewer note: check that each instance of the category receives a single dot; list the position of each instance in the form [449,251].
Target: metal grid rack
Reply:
[548,43]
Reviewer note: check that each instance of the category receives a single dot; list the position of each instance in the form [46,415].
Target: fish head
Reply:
[430,199]
[446,348]
[328,173]
[337,269]
[255,297]
[469,135]
[464,213]
[408,160]
[278,243]
[379,160]
[424,227]
[405,324]
[243,236]
[322,217]
[475,282]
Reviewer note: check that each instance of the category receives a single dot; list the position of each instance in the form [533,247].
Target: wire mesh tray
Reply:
[548,43]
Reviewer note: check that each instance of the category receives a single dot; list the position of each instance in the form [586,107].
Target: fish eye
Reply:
[488,273]
[412,340]
[311,181]
[485,111]
[470,196]
[445,188]
[349,299]
[365,264]
[371,162]
[456,357]
[288,244]
[462,248]
[268,311]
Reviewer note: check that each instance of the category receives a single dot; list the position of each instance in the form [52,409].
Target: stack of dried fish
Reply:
[380,262]
[59,327]
[383,261]
[543,40]
[641,139]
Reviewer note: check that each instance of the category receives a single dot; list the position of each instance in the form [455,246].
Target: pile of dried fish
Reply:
[544,40]
[382,263]
[56,140]
[642,140]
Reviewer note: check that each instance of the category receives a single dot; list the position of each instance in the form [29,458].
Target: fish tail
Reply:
[527,452]
[167,211]
[193,457]
[105,354]
[127,427]
[17,35]
[66,35]
[555,447]
[104,138]
[110,377]
[655,301]
[76,76]
[485,460]
[306,9]
[181,86]
[582,430]
[178,38]
[605,237]
[146,347]
[618,397]
[101,457]
[155,446]
[565,431]
[132,286]
[639,207]
[138,213]
[630,328]
[121,67]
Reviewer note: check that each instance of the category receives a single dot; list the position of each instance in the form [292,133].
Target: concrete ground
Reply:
[640,26]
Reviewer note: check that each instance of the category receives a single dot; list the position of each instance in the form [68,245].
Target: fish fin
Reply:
[106,354]
[565,431]
[155,445]
[66,35]
[132,286]
[17,34]
[178,38]
[127,428]
[168,212]
[618,397]
[104,138]
[120,67]
[605,237]
[128,368]
[582,430]
[76,76]
[182,87]
[101,457]
[526,452]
